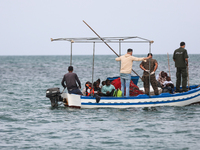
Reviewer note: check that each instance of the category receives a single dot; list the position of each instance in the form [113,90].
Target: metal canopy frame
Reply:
[128,39]
[119,40]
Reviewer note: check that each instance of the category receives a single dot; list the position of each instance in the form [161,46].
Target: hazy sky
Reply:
[27,25]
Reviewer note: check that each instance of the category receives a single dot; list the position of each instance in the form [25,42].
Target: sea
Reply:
[27,120]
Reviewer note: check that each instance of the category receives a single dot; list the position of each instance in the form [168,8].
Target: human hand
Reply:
[147,71]
[152,73]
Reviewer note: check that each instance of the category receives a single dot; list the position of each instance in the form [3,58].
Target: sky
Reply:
[28,25]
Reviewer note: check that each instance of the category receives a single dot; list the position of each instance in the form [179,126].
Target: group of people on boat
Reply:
[107,89]
[149,67]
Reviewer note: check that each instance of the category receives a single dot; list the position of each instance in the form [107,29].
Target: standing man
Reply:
[126,67]
[70,80]
[180,58]
[153,67]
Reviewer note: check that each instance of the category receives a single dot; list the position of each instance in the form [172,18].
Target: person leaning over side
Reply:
[126,68]
[69,80]
[153,67]
[180,58]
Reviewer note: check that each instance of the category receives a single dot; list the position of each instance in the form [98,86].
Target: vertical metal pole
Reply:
[71,55]
[93,63]
[149,66]
[120,53]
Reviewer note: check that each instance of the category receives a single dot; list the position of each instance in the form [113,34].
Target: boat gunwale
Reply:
[144,96]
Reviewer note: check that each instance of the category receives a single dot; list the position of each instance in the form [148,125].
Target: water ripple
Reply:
[28,122]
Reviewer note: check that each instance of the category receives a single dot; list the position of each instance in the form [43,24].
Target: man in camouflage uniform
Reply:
[153,66]
[180,58]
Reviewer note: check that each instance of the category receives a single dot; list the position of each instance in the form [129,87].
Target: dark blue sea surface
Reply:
[27,120]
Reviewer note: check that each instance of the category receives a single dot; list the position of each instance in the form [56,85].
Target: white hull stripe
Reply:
[144,103]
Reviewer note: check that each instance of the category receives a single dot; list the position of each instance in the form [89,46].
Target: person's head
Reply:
[103,83]
[98,81]
[150,54]
[96,84]
[70,68]
[182,44]
[107,82]
[162,74]
[130,51]
[88,84]
[168,78]
[166,74]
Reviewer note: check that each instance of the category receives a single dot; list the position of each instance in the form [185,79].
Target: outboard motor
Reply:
[54,95]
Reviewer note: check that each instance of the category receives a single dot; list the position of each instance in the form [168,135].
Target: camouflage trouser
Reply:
[153,84]
[181,72]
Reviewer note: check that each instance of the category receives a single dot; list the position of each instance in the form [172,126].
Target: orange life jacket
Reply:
[88,90]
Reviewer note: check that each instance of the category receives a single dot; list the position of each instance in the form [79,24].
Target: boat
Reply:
[79,101]
[164,99]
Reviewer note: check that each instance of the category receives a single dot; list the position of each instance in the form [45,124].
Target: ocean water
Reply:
[27,120]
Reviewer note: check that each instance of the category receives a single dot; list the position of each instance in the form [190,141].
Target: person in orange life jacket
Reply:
[108,89]
[69,80]
[93,91]
[88,87]
[84,90]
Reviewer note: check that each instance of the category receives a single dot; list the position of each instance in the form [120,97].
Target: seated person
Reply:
[168,85]
[161,78]
[98,81]
[108,89]
[103,83]
[87,88]
[97,89]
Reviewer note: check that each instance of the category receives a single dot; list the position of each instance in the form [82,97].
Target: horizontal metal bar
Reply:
[112,41]
[133,39]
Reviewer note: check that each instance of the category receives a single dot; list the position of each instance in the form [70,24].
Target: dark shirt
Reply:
[179,56]
[145,64]
[70,80]
[97,89]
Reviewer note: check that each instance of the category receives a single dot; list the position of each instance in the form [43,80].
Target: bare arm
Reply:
[186,59]
[145,58]
[156,66]
[118,58]
[63,84]
[142,67]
